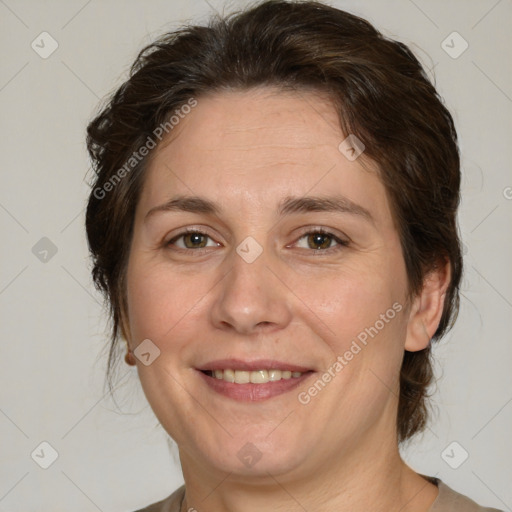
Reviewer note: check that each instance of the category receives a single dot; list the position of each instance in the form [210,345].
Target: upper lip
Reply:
[257,364]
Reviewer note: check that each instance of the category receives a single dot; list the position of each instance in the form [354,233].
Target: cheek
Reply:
[366,327]
[351,300]
[162,307]
[158,300]
[359,312]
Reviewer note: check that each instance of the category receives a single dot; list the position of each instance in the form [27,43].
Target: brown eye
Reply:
[191,240]
[319,240]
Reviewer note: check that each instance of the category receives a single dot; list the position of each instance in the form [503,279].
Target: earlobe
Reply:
[427,308]
[129,357]
[125,330]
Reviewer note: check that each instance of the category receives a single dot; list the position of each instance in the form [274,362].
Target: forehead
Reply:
[258,123]
[257,146]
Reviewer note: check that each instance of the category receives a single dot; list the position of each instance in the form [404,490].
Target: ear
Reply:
[125,329]
[427,307]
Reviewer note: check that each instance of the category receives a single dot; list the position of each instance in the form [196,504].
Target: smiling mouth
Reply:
[253,385]
[253,377]
[247,380]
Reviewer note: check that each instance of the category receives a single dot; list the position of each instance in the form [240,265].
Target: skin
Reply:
[246,152]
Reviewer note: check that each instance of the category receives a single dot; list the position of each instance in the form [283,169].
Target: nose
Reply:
[250,298]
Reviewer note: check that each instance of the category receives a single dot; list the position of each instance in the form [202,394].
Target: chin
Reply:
[256,457]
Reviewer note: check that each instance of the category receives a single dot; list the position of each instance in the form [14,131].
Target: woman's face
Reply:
[258,174]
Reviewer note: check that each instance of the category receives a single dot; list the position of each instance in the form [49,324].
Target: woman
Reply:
[273,221]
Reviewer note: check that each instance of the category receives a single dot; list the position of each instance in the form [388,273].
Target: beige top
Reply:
[447,500]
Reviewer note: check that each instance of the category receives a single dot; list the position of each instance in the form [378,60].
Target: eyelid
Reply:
[326,231]
[185,231]
[341,239]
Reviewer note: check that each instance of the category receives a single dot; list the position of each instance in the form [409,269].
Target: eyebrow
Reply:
[337,204]
[289,205]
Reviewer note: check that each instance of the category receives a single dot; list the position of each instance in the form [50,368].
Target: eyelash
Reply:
[312,231]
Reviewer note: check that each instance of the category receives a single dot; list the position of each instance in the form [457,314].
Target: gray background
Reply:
[52,353]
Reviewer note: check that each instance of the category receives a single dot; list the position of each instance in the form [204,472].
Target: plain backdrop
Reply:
[53,328]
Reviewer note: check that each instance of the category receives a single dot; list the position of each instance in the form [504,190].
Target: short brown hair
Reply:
[382,94]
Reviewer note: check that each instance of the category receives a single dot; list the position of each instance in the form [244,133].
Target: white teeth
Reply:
[259,377]
[255,377]
[227,375]
[242,377]
[274,375]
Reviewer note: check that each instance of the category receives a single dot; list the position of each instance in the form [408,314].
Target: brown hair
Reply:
[383,96]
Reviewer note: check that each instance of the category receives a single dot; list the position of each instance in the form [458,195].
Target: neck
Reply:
[376,480]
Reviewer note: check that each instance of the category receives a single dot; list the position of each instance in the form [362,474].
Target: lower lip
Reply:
[253,392]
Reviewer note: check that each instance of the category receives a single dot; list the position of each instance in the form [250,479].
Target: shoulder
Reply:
[449,500]
[170,504]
